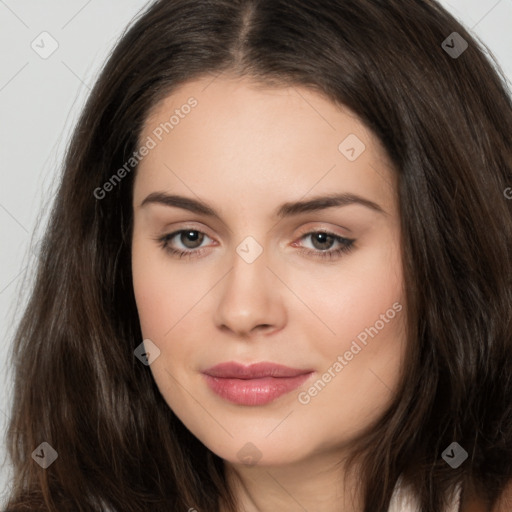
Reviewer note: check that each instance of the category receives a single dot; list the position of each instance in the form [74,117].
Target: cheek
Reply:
[155,295]
[164,294]
[359,298]
[162,304]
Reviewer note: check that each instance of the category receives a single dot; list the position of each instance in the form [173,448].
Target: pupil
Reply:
[194,235]
[324,238]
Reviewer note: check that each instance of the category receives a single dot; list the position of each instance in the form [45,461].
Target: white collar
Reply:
[402,500]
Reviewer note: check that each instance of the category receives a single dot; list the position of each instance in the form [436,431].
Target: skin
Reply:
[245,150]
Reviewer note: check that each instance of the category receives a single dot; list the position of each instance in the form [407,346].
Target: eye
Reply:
[190,238]
[323,241]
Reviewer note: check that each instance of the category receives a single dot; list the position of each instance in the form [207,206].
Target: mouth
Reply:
[256,384]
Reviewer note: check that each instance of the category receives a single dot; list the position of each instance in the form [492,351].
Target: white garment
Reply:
[403,501]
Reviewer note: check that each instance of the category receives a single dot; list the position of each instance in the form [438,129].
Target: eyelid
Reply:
[174,228]
[322,229]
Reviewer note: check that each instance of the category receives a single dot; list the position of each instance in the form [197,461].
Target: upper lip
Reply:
[233,370]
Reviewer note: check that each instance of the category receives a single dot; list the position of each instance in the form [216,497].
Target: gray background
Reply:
[40,99]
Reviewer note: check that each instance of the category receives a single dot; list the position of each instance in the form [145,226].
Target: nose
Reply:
[250,299]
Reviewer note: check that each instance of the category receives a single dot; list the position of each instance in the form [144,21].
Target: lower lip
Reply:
[254,391]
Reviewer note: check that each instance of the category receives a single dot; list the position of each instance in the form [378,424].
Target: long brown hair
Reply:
[445,119]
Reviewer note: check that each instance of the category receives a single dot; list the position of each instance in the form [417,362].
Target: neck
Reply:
[316,484]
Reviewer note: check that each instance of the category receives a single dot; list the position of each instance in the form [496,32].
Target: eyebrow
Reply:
[285,210]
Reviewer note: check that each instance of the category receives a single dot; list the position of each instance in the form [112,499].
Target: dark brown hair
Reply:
[446,123]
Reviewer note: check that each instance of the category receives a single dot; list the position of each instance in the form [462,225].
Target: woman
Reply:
[277,273]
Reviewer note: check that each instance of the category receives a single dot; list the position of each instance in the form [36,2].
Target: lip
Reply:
[256,384]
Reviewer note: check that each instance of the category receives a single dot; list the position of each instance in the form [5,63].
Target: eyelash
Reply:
[347,245]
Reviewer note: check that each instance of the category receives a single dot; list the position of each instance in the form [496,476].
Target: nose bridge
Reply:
[249,263]
[249,295]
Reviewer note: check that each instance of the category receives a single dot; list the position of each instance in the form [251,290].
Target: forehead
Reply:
[240,141]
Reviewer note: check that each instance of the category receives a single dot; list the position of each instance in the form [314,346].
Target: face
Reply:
[236,258]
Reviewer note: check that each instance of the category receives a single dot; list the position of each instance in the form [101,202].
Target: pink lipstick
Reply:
[256,384]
